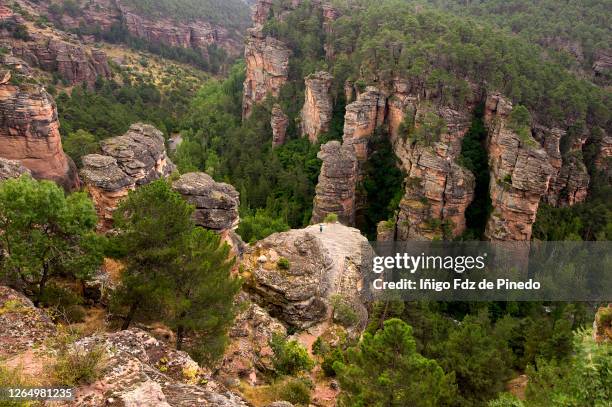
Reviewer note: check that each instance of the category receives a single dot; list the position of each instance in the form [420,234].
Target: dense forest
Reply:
[462,354]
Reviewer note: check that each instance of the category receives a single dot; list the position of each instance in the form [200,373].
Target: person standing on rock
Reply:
[321,227]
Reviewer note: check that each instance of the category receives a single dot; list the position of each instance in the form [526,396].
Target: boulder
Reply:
[216,203]
[294,275]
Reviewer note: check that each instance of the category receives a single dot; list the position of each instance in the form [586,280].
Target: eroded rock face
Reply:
[318,105]
[197,35]
[136,158]
[603,161]
[318,266]
[279,122]
[12,169]
[249,353]
[140,370]
[520,175]
[216,203]
[361,119]
[267,68]
[602,327]
[437,193]
[29,133]
[74,63]
[336,189]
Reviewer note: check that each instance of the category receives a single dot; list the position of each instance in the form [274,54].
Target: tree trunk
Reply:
[42,284]
[180,333]
[130,316]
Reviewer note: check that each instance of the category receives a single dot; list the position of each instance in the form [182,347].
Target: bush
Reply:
[331,218]
[329,360]
[79,366]
[296,391]
[74,314]
[283,264]
[289,356]
[343,312]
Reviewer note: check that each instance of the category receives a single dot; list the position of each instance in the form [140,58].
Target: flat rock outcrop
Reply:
[22,326]
[336,189]
[520,175]
[136,158]
[139,370]
[279,122]
[12,169]
[318,107]
[267,68]
[216,203]
[29,133]
[294,275]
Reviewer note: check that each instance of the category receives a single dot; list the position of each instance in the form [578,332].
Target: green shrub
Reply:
[283,264]
[331,218]
[320,347]
[296,391]
[289,356]
[343,312]
[79,366]
[329,360]
[74,314]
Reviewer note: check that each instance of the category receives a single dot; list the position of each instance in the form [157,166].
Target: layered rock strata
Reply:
[133,159]
[318,107]
[336,189]
[216,204]
[29,133]
[361,119]
[520,175]
[267,68]
[279,122]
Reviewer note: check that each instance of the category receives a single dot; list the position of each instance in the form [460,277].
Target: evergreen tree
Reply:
[385,370]
[45,234]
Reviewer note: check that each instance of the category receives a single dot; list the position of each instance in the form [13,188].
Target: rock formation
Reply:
[22,326]
[603,162]
[318,105]
[602,327]
[267,68]
[136,158]
[29,133]
[294,275]
[140,370]
[12,169]
[520,175]
[336,189]
[279,122]
[216,203]
[437,193]
[249,353]
[73,63]
[361,119]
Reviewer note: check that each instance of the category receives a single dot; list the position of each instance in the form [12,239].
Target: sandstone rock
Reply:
[361,119]
[437,193]
[385,231]
[603,162]
[571,185]
[336,189]
[29,133]
[140,370]
[136,158]
[520,175]
[321,265]
[11,169]
[22,326]
[603,62]
[249,355]
[216,203]
[267,68]
[279,123]
[318,105]
[72,62]
[261,12]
